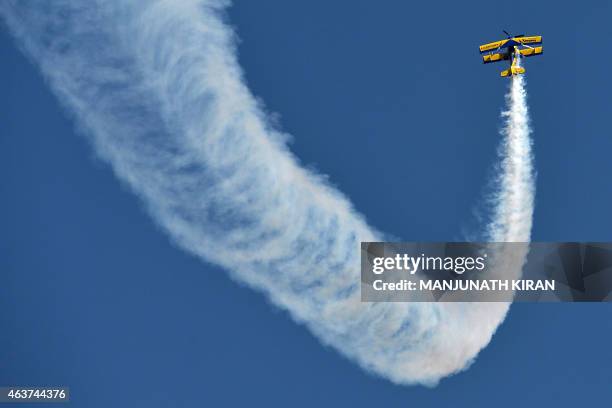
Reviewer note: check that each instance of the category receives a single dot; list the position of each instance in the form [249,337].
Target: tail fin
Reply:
[514,70]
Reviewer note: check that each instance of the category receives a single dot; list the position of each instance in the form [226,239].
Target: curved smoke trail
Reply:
[157,87]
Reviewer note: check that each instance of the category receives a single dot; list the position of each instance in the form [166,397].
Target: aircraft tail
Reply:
[514,70]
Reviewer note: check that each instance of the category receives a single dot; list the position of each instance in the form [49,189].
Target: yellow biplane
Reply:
[512,48]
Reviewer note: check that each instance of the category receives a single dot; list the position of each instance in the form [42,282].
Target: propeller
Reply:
[512,36]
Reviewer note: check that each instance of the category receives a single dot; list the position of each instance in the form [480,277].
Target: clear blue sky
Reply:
[391,101]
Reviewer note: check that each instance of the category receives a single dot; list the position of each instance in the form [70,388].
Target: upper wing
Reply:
[486,59]
[536,39]
[492,46]
[530,52]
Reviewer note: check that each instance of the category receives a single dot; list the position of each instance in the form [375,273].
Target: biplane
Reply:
[512,48]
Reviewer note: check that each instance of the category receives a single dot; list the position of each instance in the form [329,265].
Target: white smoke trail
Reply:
[514,198]
[514,201]
[157,87]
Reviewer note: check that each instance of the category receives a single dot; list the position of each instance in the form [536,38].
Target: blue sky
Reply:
[391,102]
